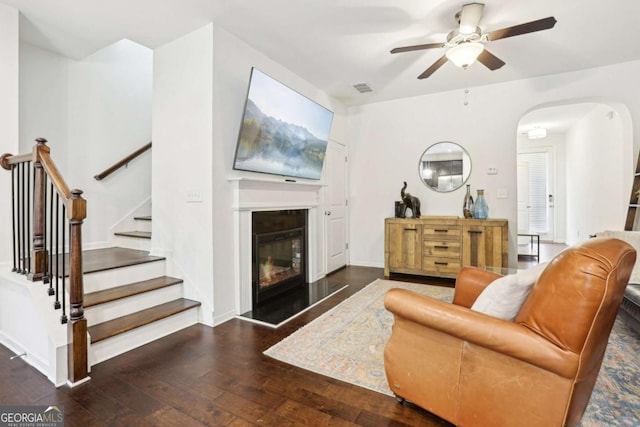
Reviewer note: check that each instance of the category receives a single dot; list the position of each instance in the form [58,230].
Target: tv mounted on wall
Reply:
[282,131]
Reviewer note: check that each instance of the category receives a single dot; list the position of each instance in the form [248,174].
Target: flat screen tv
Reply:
[282,131]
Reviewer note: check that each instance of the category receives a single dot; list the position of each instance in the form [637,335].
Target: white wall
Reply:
[44,100]
[200,85]
[597,187]
[233,60]
[386,140]
[93,112]
[9,108]
[182,161]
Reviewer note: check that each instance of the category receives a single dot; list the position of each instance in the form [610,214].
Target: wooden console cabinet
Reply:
[440,246]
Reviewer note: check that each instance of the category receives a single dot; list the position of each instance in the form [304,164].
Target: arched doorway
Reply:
[575,164]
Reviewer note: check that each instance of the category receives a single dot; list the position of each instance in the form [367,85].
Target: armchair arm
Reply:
[470,282]
[511,339]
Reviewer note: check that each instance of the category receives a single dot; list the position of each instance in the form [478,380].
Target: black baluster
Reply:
[29,218]
[63,318]
[56,304]
[14,246]
[51,291]
[23,236]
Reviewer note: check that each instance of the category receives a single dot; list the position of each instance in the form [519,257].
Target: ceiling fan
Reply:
[466,43]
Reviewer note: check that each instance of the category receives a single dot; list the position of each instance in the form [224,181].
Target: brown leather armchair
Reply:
[539,370]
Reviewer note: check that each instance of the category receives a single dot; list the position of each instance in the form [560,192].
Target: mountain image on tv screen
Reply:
[282,132]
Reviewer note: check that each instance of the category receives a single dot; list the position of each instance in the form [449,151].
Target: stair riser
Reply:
[112,347]
[107,279]
[114,309]
[143,225]
[132,243]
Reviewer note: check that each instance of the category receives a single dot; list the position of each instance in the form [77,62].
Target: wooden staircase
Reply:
[130,302]
[140,238]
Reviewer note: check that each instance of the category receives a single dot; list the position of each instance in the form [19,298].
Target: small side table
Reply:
[533,239]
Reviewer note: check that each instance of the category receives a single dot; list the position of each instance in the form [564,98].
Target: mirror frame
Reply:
[464,167]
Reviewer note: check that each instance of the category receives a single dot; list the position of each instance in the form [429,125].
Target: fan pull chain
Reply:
[466,93]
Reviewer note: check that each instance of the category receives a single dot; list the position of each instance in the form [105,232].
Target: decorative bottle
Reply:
[480,207]
[467,206]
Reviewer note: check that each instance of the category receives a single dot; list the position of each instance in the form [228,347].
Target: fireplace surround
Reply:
[270,194]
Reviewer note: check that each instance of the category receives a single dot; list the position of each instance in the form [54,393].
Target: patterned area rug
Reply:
[347,343]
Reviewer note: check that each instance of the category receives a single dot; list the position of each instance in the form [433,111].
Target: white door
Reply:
[336,207]
[538,183]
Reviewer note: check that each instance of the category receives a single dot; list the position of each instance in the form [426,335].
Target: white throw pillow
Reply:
[503,297]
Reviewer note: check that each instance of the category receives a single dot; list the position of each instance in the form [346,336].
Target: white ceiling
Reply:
[334,44]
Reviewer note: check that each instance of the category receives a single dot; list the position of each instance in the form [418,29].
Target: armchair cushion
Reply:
[504,296]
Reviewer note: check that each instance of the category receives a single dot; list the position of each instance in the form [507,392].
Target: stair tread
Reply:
[136,234]
[124,291]
[142,218]
[126,323]
[95,260]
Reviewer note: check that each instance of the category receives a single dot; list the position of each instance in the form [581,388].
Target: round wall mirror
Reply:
[445,166]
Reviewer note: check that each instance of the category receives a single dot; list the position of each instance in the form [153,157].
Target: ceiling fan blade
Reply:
[470,17]
[489,60]
[417,47]
[434,67]
[529,27]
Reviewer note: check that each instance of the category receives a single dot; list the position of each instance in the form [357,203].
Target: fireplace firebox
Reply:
[279,253]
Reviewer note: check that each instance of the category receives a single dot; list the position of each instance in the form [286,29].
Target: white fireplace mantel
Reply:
[263,194]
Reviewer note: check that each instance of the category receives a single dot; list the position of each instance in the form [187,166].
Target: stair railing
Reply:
[45,222]
[124,162]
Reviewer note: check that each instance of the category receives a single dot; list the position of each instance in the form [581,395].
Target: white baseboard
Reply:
[33,360]
[220,319]
[366,264]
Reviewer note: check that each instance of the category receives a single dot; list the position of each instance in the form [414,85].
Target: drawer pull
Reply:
[475,231]
[440,263]
[440,247]
[440,230]
[410,229]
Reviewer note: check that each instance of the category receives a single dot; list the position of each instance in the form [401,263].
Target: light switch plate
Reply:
[193,196]
[501,193]
[492,171]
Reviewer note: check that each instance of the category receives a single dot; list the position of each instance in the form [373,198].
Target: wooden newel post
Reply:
[77,329]
[39,252]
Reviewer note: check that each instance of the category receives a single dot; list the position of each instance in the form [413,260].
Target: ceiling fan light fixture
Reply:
[465,54]
[537,133]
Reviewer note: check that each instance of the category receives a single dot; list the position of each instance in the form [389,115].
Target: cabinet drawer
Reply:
[441,248]
[445,266]
[441,232]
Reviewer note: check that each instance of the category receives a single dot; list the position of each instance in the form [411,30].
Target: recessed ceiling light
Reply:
[537,133]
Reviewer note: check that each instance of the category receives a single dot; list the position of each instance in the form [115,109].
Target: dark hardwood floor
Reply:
[215,377]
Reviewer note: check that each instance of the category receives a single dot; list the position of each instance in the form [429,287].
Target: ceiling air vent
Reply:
[362,87]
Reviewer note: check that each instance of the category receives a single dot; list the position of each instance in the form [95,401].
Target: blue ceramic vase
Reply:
[480,207]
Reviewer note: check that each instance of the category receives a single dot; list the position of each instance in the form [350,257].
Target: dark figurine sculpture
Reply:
[410,202]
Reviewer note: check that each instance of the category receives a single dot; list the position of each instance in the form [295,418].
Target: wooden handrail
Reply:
[55,176]
[122,162]
[6,160]
[76,211]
